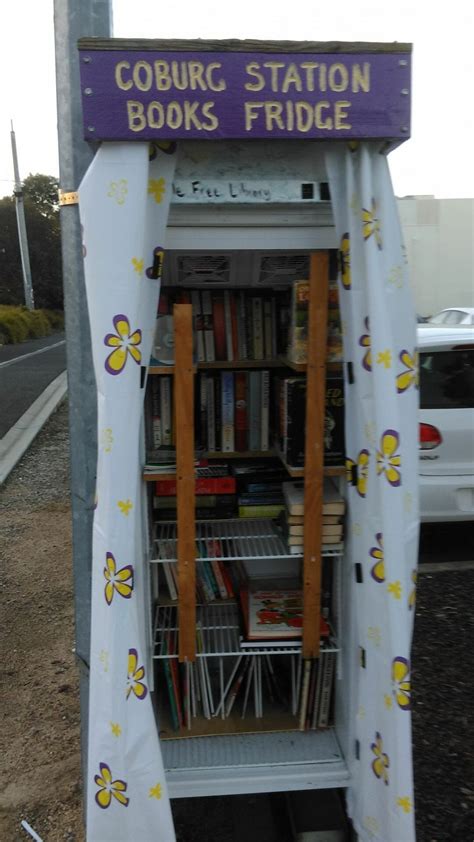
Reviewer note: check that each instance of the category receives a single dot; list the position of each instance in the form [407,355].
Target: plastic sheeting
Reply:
[382,459]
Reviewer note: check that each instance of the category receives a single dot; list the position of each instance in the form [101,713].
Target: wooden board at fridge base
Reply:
[167,90]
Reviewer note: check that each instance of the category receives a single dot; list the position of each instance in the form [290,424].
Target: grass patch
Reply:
[18,323]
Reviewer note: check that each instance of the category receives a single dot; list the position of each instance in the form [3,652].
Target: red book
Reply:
[219,327]
[204,485]
[227,579]
[233,316]
[241,416]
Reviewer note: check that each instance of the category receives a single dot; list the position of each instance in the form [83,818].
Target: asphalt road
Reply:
[25,371]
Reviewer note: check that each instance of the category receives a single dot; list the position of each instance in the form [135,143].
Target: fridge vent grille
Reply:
[203,268]
[283,268]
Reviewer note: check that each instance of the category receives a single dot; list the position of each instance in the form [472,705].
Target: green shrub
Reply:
[18,323]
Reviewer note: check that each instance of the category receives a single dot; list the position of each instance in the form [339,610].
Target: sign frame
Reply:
[146,90]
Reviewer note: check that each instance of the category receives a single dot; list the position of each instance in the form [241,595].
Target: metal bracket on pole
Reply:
[70,197]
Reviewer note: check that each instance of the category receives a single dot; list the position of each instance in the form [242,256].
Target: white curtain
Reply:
[124,202]
[382,447]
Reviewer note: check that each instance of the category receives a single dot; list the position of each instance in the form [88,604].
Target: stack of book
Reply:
[292,519]
[215,491]
[215,579]
[232,325]
[317,690]
[259,491]
[160,432]
[233,411]
[290,410]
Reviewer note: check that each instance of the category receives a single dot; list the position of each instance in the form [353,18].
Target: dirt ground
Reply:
[40,762]
[40,776]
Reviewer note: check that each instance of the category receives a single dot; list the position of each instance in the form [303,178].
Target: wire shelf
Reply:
[241,539]
[218,633]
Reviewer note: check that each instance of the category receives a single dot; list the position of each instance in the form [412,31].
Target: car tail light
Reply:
[430,437]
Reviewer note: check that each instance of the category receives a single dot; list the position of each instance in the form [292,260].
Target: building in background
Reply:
[439,238]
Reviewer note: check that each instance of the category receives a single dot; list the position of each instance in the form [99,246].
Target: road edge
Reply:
[14,444]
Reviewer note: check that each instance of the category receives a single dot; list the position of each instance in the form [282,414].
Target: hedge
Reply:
[18,323]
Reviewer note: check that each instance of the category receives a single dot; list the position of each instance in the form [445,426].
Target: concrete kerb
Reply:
[18,439]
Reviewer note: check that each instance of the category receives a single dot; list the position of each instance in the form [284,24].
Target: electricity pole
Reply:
[74,19]
[22,236]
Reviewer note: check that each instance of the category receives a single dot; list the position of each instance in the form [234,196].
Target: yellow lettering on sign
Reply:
[119,80]
[174,115]
[213,121]
[250,114]
[321,123]
[291,77]
[340,114]
[304,116]
[273,112]
[274,67]
[136,116]
[338,77]
[155,115]
[162,76]
[196,69]
[215,85]
[310,67]
[180,82]
[142,76]
[252,69]
[361,78]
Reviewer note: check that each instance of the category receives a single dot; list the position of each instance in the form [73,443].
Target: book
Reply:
[272,613]
[264,511]
[156,436]
[328,666]
[241,328]
[267,328]
[208,325]
[254,410]
[241,414]
[293,492]
[166,410]
[265,410]
[214,485]
[219,325]
[228,326]
[291,411]
[211,415]
[298,327]
[257,324]
[228,430]
[198,324]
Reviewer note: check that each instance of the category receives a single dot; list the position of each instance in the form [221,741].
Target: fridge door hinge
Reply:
[358,572]
[357,749]
[362,657]
[350,373]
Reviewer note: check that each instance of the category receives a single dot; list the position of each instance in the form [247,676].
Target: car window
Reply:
[454,317]
[447,379]
[439,319]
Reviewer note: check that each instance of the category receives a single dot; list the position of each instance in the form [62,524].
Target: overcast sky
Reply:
[436,160]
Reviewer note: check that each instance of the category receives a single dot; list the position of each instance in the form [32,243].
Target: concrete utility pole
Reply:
[74,19]
[21,222]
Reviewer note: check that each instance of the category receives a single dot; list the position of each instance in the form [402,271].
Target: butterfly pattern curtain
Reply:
[381,385]
[124,202]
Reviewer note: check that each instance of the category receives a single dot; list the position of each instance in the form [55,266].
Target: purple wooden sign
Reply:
[145,95]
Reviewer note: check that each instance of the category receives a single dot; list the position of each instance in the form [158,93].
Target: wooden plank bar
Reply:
[184,414]
[314,451]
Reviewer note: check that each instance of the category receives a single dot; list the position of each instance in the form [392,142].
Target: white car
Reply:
[446,423]
[453,316]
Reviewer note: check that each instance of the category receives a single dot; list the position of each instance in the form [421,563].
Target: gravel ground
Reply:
[40,761]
